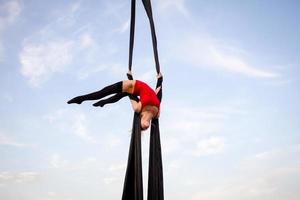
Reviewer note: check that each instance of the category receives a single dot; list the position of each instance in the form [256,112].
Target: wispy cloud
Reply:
[124,26]
[80,129]
[211,54]
[18,177]
[200,48]
[66,17]
[71,121]
[53,47]
[197,132]
[265,175]
[65,40]
[40,61]
[9,141]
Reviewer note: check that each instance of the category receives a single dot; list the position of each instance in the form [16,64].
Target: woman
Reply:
[148,105]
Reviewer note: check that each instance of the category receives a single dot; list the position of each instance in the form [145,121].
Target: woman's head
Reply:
[146,117]
[147,114]
[145,124]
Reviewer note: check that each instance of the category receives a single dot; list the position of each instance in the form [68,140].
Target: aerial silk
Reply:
[133,183]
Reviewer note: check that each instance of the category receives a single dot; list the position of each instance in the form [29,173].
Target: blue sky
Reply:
[230,111]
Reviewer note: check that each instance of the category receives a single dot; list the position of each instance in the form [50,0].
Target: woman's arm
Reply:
[136,106]
[158,89]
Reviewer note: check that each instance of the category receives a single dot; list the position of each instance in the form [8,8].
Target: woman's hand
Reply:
[159,75]
[129,75]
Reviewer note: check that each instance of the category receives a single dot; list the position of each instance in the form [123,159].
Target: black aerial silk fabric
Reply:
[148,9]
[133,183]
[155,173]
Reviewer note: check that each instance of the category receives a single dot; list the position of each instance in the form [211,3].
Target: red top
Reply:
[147,95]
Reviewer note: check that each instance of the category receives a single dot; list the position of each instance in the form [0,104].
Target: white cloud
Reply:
[265,155]
[53,47]
[6,140]
[274,183]
[208,53]
[40,61]
[18,177]
[124,26]
[71,121]
[273,174]
[63,41]
[66,17]
[235,63]
[197,131]
[201,49]
[210,146]
[80,128]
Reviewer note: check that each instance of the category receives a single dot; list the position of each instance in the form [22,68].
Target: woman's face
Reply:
[146,117]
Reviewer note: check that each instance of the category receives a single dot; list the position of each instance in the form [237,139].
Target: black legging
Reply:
[115,88]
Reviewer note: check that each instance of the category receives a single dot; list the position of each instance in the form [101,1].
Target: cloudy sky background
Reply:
[230,112]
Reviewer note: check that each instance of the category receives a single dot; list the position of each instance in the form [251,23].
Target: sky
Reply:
[230,112]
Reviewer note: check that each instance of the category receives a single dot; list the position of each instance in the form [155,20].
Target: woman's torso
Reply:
[147,95]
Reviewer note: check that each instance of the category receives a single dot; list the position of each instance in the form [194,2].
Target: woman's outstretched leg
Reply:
[112,99]
[111,89]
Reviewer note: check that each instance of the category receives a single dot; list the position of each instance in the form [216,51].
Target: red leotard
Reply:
[147,95]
